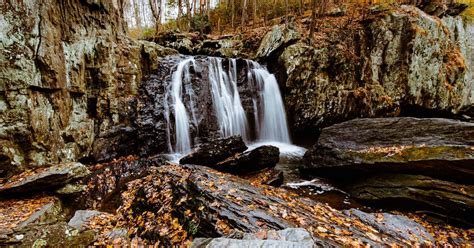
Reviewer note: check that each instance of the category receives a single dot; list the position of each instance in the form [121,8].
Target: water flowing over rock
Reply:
[209,97]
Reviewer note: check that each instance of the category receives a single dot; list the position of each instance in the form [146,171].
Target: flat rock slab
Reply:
[44,178]
[395,225]
[287,238]
[215,151]
[81,217]
[431,146]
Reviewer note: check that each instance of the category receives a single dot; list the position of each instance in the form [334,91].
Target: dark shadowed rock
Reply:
[215,151]
[250,161]
[446,198]
[44,178]
[276,179]
[104,185]
[436,147]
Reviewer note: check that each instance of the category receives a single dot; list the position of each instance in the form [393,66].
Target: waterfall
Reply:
[219,94]
[226,100]
[181,119]
[273,126]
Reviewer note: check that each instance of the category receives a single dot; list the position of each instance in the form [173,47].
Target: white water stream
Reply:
[271,127]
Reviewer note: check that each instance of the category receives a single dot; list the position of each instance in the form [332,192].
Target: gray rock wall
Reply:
[402,62]
[67,73]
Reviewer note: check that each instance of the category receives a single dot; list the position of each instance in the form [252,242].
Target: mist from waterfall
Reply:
[270,124]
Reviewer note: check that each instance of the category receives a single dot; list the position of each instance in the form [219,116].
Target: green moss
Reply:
[414,153]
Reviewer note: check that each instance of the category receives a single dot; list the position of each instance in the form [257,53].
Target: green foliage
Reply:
[200,23]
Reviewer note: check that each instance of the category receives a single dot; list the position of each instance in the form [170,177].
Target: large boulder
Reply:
[44,178]
[401,61]
[185,201]
[450,200]
[250,161]
[276,40]
[441,148]
[215,151]
[102,188]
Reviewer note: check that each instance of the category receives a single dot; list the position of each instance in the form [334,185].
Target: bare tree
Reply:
[254,12]
[136,8]
[244,13]
[156,11]
[233,13]
[313,21]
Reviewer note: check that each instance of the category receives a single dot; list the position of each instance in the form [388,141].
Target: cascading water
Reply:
[226,100]
[181,119]
[273,126]
[230,117]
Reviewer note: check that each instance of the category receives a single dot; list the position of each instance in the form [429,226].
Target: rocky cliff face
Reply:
[67,73]
[401,62]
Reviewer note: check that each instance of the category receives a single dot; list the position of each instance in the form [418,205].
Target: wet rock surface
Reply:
[396,225]
[215,151]
[435,147]
[250,161]
[450,200]
[103,187]
[200,203]
[44,178]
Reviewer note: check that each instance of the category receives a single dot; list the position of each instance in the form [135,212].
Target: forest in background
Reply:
[146,18]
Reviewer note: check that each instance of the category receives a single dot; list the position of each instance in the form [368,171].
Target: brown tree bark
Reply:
[244,13]
[313,20]
[156,11]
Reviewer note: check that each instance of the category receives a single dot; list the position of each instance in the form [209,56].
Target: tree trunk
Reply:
[244,12]
[233,14]
[136,8]
[156,11]
[313,20]
[180,13]
[255,13]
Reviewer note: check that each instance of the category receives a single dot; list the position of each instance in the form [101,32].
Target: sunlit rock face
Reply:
[402,62]
[67,73]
